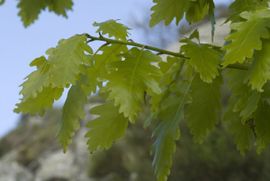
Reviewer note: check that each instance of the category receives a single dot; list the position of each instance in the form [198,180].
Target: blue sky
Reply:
[18,46]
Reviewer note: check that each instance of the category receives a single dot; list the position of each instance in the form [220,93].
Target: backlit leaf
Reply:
[168,10]
[246,37]
[203,112]
[205,61]
[107,128]
[113,29]
[131,79]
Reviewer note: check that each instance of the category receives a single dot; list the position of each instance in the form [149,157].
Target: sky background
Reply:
[19,45]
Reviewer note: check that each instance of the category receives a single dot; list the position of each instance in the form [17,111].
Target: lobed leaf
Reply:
[199,9]
[242,132]
[168,10]
[246,36]
[29,10]
[131,78]
[260,70]
[204,111]
[205,61]
[60,7]
[239,6]
[109,54]
[167,131]
[67,59]
[40,103]
[37,80]
[107,128]
[243,100]
[170,70]
[64,64]
[73,110]
[262,125]
[113,29]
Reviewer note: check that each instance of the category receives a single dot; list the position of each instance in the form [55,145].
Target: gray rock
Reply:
[57,165]
[12,171]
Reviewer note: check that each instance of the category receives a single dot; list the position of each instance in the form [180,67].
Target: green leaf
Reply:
[262,126]
[110,53]
[260,70]
[131,79]
[239,6]
[113,29]
[67,59]
[242,133]
[64,64]
[107,128]
[204,111]
[167,10]
[170,70]
[29,10]
[37,80]
[243,100]
[246,37]
[203,58]
[246,103]
[199,9]
[73,110]
[40,102]
[60,7]
[167,131]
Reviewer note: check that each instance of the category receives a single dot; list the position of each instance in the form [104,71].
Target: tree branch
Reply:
[148,47]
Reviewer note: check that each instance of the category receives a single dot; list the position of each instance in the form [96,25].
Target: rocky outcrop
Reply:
[12,171]
[31,152]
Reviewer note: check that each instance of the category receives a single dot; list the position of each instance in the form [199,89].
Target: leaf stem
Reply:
[148,47]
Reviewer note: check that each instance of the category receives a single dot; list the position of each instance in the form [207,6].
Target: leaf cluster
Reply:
[185,86]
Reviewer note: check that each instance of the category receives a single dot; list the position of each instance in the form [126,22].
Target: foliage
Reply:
[29,10]
[184,87]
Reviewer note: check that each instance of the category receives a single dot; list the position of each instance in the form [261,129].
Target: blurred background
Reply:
[28,147]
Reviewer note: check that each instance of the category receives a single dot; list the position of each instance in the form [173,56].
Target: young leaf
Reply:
[107,128]
[131,79]
[109,54]
[242,133]
[73,112]
[205,61]
[170,70]
[262,125]
[167,131]
[164,148]
[167,10]
[67,59]
[239,6]
[243,100]
[260,70]
[204,111]
[113,29]
[37,80]
[63,67]
[60,7]
[247,36]
[199,9]
[29,10]
[40,103]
